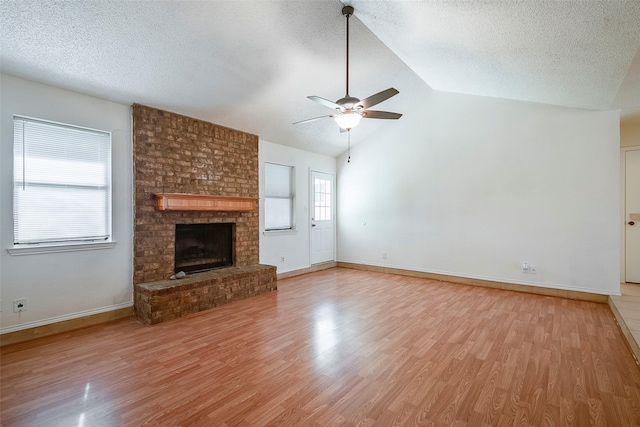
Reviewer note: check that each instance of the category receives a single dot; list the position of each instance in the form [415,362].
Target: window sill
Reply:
[279,232]
[49,249]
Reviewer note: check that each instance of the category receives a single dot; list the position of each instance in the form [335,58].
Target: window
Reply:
[278,192]
[61,183]
[322,199]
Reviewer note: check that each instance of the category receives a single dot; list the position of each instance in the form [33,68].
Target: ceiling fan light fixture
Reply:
[348,120]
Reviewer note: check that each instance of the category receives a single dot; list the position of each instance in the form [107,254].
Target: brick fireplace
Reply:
[179,154]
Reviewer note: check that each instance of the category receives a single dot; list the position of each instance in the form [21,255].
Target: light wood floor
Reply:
[628,307]
[338,347]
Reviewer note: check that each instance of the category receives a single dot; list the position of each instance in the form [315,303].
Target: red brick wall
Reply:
[179,154]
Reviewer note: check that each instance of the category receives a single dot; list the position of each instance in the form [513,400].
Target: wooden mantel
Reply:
[204,202]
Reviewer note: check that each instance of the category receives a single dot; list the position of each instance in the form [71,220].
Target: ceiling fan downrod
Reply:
[347,11]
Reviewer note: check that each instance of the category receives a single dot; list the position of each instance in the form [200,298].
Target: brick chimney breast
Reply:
[179,154]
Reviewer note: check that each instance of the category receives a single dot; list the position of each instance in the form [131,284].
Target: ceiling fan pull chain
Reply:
[349,146]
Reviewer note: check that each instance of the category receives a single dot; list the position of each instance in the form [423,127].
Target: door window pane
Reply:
[322,196]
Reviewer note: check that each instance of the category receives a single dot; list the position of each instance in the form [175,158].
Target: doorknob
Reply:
[631,223]
[313,225]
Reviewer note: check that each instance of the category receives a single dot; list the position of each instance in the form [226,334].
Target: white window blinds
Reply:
[278,191]
[61,183]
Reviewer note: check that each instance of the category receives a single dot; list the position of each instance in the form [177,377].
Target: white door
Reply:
[322,217]
[632,215]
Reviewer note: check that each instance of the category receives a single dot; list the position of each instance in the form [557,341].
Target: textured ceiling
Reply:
[251,64]
[582,54]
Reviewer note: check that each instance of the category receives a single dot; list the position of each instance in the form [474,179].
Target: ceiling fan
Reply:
[350,110]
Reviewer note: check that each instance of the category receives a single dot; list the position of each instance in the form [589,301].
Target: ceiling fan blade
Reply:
[373,114]
[378,98]
[310,120]
[325,102]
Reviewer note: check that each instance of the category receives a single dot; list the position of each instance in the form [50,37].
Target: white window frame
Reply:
[24,245]
[280,196]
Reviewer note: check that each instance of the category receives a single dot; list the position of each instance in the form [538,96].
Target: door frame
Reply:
[333,212]
[623,211]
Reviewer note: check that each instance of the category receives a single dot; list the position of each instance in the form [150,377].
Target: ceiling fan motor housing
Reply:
[348,102]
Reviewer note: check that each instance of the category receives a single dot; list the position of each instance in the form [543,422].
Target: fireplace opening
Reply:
[201,247]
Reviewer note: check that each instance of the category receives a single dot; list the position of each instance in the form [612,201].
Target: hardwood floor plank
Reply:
[336,347]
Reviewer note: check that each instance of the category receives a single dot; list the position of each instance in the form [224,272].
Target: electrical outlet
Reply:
[533,269]
[384,255]
[281,259]
[19,305]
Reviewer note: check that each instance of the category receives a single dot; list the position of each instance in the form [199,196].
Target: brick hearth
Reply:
[169,299]
[179,154]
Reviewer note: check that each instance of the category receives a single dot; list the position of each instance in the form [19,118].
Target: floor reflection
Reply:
[325,335]
[86,391]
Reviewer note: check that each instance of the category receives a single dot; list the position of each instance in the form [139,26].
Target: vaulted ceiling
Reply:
[250,64]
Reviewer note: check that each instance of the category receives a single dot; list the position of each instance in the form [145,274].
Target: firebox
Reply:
[201,247]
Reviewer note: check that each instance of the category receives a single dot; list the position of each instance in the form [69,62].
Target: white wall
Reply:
[460,185]
[62,286]
[474,186]
[294,246]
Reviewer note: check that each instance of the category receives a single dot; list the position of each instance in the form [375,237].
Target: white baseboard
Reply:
[490,279]
[63,318]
